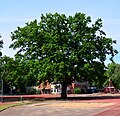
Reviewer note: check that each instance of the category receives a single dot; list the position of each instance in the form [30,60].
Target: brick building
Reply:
[55,88]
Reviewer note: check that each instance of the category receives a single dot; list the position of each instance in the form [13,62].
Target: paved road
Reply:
[113,111]
[49,109]
[66,108]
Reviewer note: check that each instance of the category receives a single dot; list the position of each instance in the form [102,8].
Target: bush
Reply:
[77,91]
[33,91]
[38,91]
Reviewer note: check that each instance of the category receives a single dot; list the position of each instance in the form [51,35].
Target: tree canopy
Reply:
[65,48]
[17,74]
[113,74]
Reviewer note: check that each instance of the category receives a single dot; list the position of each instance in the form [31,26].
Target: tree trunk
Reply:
[64,90]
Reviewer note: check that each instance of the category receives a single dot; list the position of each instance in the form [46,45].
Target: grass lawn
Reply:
[6,106]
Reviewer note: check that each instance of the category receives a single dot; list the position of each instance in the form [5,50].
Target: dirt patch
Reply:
[81,105]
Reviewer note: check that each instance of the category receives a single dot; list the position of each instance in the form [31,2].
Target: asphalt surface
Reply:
[45,109]
[57,108]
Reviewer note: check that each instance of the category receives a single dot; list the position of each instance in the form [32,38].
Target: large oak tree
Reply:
[67,48]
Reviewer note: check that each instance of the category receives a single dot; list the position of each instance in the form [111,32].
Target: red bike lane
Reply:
[112,111]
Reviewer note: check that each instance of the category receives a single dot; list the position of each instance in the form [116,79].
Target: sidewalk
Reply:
[92,104]
[93,97]
[112,111]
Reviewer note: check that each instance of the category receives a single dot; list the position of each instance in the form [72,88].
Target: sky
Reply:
[14,13]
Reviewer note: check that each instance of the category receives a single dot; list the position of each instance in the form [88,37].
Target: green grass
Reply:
[6,106]
[19,103]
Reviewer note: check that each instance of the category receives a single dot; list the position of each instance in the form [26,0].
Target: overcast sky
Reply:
[14,13]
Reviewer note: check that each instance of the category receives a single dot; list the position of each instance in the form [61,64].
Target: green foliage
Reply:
[113,73]
[33,91]
[77,91]
[59,48]
[17,73]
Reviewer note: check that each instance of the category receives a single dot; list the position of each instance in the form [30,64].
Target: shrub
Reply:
[77,91]
[33,91]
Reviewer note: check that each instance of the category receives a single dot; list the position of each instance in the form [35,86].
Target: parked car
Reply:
[109,90]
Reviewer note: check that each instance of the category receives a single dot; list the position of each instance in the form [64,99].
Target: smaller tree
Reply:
[7,66]
[19,73]
[113,74]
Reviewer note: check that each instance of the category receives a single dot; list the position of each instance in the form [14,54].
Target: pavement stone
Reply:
[44,109]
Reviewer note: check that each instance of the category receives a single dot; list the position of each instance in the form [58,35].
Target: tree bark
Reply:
[64,90]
